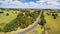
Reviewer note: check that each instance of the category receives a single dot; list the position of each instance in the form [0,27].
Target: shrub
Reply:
[54,16]
[43,21]
[47,13]
[7,14]
[10,26]
[1,12]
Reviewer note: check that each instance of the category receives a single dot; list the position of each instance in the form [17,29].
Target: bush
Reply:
[43,21]
[1,12]
[34,15]
[7,14]
[54,16]
[47,13]
[10,26]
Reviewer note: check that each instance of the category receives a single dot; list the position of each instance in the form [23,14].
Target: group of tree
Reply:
[43,21]
[54,15]
[21,21]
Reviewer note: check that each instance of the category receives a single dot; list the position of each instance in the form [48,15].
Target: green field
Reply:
[53,24]
[6,19]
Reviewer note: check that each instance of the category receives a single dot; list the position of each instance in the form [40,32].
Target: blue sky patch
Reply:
[28,0]
[38,4]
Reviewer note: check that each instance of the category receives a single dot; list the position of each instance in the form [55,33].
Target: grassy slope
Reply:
[53,24]
[6,19]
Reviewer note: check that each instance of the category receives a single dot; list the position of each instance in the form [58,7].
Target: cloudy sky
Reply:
[35,4]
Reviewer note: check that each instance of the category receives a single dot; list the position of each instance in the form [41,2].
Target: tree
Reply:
[54,15]
[47,13]
[7,14]
[43,21]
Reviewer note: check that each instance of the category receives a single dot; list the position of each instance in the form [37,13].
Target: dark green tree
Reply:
[43,21]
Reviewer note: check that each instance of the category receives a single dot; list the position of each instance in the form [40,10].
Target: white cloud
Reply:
[53,3]
[38,4]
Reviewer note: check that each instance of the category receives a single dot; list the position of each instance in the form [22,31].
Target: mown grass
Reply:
[53,24]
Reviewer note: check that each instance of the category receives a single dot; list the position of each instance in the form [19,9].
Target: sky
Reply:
[35,4]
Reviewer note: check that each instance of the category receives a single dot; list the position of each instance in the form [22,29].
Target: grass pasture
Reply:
[53,24]
[6,19]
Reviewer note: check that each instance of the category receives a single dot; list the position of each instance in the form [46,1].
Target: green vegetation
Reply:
[37,31]
[15,19]
[53,24]
[43,21]
[5,19]
[11,19]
